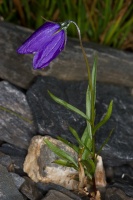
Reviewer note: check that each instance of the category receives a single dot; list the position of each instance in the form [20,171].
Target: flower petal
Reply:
[39,38]
[50,50]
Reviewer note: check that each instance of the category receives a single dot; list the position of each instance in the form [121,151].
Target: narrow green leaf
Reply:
[106,13]
[90,165]
[74,147]
[75,134]
[105,142]
[94,78]
[106,117]
[89,175]
[87,141]
[64,163]
[68,106]
[87,135]
[84,143]
[86,154]
[86,146]
[83,138]
[88,102]
[62,154]
[93,91]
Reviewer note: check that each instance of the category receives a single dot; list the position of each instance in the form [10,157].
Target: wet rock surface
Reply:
[27,110]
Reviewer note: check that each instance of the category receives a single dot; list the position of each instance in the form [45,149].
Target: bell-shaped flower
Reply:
[45,43]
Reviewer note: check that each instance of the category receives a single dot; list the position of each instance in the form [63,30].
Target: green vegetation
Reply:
[86,161]
[108,22]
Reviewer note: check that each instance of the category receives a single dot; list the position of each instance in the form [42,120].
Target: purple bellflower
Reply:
[45,43]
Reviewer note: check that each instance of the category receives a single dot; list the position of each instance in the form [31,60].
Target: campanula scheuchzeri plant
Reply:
[46,43]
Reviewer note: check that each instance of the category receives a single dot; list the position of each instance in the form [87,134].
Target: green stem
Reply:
[93,147]
[84,55]
[94,186]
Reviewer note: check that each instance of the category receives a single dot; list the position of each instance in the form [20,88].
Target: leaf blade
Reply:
[62,154]
[68,106]
[74,147]
[105,142]
[106,117]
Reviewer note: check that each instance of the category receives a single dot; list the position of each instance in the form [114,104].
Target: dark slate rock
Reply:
[16,126]
[35,191]
[109,172]
[53,119]
[18,180]
[119,149]
[56,195]
[14,68]
[45,187]
[8,190]
[128,178]
[124,184]
[113,67]
[17,156]
[5,160]
[30,190]
[116,194]
[123,171]
[12,150]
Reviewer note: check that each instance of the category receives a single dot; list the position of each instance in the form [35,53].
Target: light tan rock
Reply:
[40,167]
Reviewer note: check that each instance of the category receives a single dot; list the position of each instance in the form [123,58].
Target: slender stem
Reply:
[93,147]
[84,54]
[94,185]
[81,169]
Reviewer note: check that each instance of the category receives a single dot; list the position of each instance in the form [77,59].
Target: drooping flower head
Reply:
[45,43]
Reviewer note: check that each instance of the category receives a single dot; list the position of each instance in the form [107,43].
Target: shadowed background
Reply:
[108,22]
